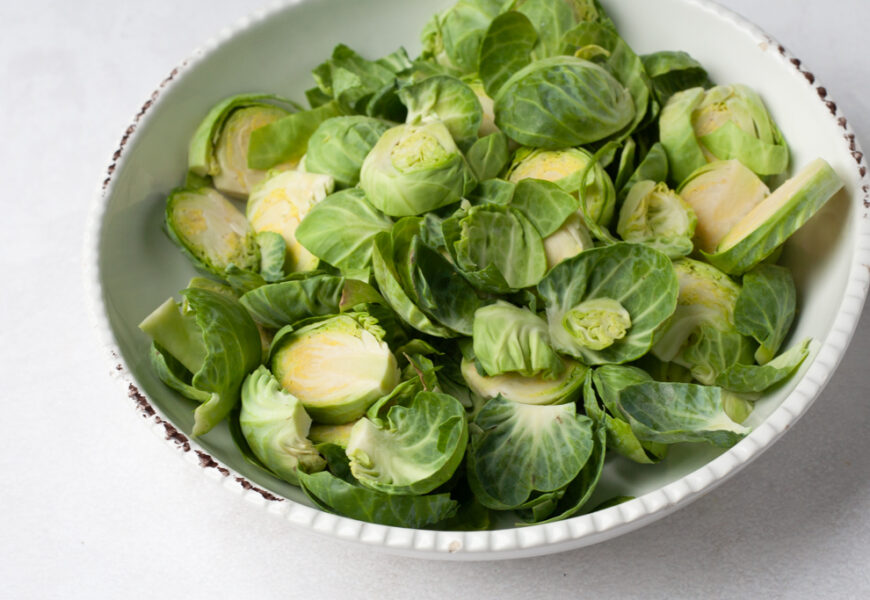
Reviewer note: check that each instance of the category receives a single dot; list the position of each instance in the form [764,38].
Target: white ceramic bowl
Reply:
[131,266]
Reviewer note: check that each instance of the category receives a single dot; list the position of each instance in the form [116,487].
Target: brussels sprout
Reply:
[706,295]
[721,194]
[506,48]
[776,218]
[554,19]
[339,230]
[517,449]
[564,168]
[673,72]
[527,390]
[652,214]
[568,241]
[591,104]
[496,247]
[281,202]
[641,280]
[765,308]
[219,147]
[487,105]
[204,351]
[412,447]
[339,146]
[331,434]
[286,139]
[211,231]
[452,39]
[597,323]
[509,339]
[336,367]
[447,100]
[415,169]
[275,426]
[420,284]
[723,123]
[317,294]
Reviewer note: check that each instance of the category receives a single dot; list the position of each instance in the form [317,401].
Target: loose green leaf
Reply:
[287,138]
[765,308]
[506,48]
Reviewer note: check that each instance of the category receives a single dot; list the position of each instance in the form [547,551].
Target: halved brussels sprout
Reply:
[564,168]
[339,146]
[219,147]
[527,390]
[591,104]
[204,349]
[652,214]
[411,447]
[723,123]
[336,367]
[211,231]
[721,194]
[415,169]
[774,220]
[275,425]
[707,295]
[281,202]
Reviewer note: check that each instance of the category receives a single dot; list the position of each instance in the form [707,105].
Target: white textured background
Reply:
[93,505]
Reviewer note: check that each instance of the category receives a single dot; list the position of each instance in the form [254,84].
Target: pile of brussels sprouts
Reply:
[464,283]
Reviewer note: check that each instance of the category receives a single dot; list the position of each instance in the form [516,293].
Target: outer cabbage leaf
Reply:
[765,308]
[447,100]
[339,146]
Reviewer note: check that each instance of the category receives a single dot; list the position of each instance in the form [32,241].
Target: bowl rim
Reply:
[533,540]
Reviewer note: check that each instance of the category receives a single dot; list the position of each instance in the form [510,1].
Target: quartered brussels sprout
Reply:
[591,104]
[721,194]
[276,426]
[410,447]
[527,390]
[204,349]
[565,168]
[336,367]
[219,147]
[211,231]
[653,214]
[758,234]
[339,146]
[331,434]
[281,202]
[727,122]
[415,169]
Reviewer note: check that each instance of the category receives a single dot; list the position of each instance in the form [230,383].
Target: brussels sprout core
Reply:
[597,323]
[336,368]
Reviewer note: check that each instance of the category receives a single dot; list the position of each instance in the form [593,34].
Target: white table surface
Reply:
[93,505]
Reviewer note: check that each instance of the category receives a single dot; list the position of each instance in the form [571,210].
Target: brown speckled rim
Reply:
[528,541]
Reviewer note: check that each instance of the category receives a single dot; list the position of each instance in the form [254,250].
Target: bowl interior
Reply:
[139,267]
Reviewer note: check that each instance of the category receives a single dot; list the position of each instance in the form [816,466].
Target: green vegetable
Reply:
[652,214]
[765,308]
[339,230]
[770,223]
[506,48]
[447,100]
[412,448]
[339,146]
[219,146]
[488,156]
[640,279]
[210,231]
[672,72]
[561,102]
[527,390]
[280,203]
[508,339]
[336,367]
[518,449]
[727,122]
[275,426]
[414,169]
[216,344]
